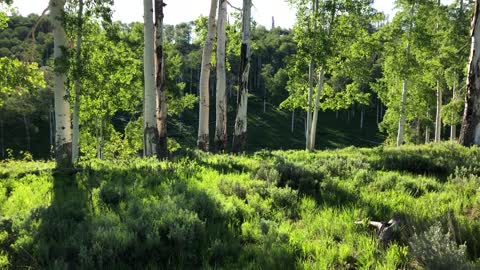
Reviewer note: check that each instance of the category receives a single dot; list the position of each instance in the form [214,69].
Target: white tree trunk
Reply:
[63,125]
[240,134]
[204,106]
[293,122]
[51,126]
[313,132]
[401,123]
[427,130]
[161,91]
[78,87]
[310,103]
[403,105]
[438,116]
[220,140]
[453,128]
[470,131]
[149,103]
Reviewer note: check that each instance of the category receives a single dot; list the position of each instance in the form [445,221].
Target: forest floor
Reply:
[272,129]
[268,210]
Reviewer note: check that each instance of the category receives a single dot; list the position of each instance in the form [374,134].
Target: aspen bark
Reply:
[149,103]
[293,122]
[470,131]
[51,129]
[403,105]
[313,132]
[310,103]
[204,106]
[161,91]
[220,140]
[453,128]
[427,130]
[401,124]
[78,86]
[438,117]
[63,128]
[240,134]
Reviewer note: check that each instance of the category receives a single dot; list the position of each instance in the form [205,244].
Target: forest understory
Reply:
[268,210]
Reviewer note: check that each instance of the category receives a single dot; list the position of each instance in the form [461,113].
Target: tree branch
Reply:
[234,7]
[34,28]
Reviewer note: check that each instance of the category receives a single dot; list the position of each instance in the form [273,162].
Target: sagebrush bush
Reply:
[267,173]
[272,210]
[436,250]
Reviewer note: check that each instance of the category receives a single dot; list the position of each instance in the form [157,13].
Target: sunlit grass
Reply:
[270,210]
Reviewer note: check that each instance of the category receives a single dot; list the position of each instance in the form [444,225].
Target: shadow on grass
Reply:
[64,228]
[141,219]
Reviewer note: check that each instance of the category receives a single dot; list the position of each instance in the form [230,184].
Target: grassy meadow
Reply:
[268,210]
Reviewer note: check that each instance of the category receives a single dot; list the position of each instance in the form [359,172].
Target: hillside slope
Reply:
[270,210]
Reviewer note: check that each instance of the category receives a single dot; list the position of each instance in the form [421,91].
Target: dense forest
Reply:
[349,141]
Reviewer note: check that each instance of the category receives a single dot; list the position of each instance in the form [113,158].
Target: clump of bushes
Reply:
[273,210]
[435,250]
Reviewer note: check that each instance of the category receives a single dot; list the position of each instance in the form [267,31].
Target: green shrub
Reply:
[435,250]
[342,166]
[275,210]
[386,181]
[112,194]
[267,173]
[229,187]
[304,177]
[285,199]
[363,177]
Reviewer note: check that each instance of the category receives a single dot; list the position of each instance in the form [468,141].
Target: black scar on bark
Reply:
[63,155]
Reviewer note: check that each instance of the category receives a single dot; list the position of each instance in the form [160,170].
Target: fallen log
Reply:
[385,230]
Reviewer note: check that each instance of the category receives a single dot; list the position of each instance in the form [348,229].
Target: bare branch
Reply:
[234,7]
[34,28]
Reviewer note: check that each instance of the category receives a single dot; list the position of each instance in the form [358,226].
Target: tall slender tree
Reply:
[204,106]
[308,131]
[240,133]
[470,131]
[327,31]
[63,128]
[438,114]
[78,85]
[161,111]
[149,102]
[220,139]
[313,132]
[403,104]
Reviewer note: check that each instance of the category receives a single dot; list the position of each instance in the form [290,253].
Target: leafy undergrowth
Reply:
[270,210]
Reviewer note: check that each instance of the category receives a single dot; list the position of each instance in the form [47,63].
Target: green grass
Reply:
[272,129]
[268,210]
